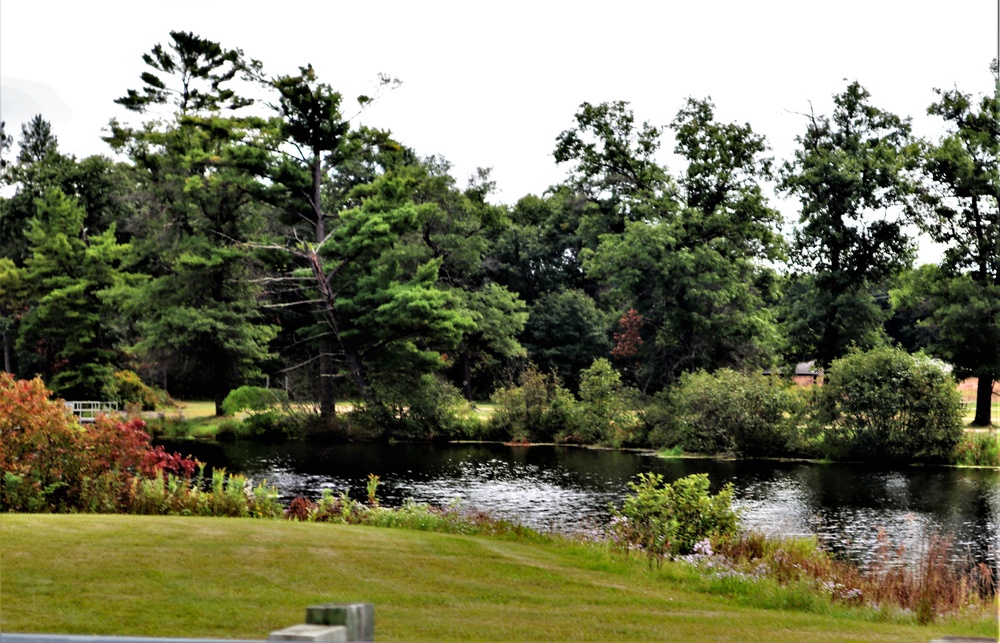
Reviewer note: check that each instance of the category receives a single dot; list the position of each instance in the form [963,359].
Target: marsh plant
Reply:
[926,583]
[372,488]
[979,449]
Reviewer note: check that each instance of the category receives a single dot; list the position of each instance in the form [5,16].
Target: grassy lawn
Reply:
[970,413]
[484,410]
[194,418]
[225,578]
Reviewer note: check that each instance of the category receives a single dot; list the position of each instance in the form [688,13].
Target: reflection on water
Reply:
[566,488]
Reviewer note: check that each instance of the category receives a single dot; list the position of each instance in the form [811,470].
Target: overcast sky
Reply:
[493,84]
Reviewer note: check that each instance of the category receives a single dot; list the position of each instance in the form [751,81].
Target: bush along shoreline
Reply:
[882,405]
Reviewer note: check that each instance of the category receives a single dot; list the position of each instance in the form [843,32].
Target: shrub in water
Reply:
[538,410]
[726,411]
[661,519]
[606,409]
[886,403]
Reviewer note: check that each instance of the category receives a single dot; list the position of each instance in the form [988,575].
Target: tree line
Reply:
[252,231]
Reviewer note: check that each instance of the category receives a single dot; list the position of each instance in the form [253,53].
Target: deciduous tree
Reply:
[962,211]
[854,175]
[695,267]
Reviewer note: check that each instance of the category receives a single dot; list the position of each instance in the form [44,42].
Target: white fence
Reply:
[88,411]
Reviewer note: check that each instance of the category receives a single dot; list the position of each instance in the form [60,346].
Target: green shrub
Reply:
[423,407]
[726,412]
[536,411]
[253,400]
[886,403]
[268,415]
[128,389]
[607,409]
[662,520]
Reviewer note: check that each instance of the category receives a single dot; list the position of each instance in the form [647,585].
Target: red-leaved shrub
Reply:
[49,462]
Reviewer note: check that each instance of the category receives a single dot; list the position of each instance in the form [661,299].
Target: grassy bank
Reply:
[128,575]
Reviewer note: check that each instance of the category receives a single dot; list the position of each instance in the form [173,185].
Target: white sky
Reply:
[493,84]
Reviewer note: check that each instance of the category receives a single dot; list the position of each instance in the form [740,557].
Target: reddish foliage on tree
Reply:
[628,341]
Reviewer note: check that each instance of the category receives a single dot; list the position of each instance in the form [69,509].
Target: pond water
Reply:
[570,489]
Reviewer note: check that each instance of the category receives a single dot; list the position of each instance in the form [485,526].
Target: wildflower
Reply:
[702,548]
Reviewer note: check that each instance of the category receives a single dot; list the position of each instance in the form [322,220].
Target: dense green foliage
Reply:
[962,211]
[886,403]
[128,389]
[728,412]
[606,409]
[859,162]
[255,234]
[253,399]
[538,410]
[73,278]
[668,519]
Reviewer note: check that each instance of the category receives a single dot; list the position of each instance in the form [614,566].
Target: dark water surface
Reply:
[570,489]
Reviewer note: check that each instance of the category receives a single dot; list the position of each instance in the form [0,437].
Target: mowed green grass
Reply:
[237,578]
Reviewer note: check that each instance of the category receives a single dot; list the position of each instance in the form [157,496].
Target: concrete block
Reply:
[358,618]
[309,632]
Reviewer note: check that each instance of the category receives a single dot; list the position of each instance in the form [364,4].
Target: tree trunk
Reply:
[327,399]
[467,376]
[984,401]
[358,373]
[7,367]
[319,224]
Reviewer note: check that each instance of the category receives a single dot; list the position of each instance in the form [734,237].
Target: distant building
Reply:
[806,374]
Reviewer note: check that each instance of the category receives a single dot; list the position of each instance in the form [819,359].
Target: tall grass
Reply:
[928,584]
[979,449]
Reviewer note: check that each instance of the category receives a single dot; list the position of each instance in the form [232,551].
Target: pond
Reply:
[570,489]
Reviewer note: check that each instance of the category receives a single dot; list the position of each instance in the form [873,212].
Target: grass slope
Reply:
[228,578]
